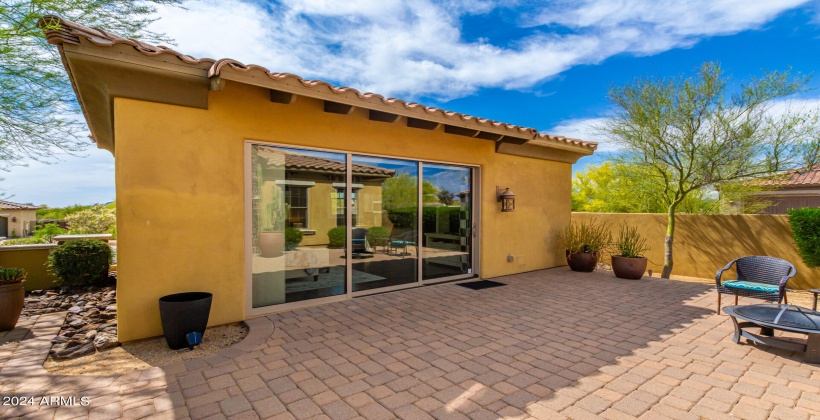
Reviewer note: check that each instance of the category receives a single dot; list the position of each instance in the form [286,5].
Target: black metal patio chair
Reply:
[758,277]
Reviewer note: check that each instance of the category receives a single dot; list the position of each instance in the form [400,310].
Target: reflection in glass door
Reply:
[385,228]
[298,225]
[446,221]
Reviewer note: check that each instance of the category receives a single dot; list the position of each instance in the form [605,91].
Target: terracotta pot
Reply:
[629,268]
[582,261]
[271,244]
[12,297]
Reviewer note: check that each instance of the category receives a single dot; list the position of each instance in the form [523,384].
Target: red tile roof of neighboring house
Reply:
[8,205]
[296,161]
[798,178]
[69,32]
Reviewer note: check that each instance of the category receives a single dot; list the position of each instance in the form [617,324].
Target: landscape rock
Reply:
[73,352]
[90,323]
[104,341]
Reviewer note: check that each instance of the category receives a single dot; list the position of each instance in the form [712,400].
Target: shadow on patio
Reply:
[550,344]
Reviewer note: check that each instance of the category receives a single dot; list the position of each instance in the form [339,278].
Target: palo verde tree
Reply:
[39,116]
[687,134]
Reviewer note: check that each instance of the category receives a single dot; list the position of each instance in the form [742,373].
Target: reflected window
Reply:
[296,200]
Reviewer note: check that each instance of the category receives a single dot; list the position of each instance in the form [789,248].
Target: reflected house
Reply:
[312,190]
[275,193]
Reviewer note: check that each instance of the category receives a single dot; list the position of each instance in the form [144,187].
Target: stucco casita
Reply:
[181,167]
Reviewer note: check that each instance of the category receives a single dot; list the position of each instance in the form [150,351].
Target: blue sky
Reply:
[546,65]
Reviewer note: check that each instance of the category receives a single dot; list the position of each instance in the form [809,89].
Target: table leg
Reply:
[814,305]
[812,349]
[766,331]
[736,337]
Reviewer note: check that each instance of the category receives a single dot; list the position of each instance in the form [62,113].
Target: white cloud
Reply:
[82,179]
[414,49]
[587,128]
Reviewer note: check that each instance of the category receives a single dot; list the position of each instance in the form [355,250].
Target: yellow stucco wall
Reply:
[180,193]
[33,259]
[705,243]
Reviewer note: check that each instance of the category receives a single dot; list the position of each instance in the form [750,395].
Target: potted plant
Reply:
[293,237]
[272,234]
[630,262]
[12,296]
[583,243]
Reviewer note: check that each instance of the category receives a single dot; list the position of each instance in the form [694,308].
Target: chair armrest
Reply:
[720,272]
[785,279]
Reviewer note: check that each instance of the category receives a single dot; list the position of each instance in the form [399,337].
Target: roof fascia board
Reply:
[260,79]
[137,59]
[539,152]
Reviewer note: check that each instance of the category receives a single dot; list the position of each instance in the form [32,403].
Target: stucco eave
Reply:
[100,76]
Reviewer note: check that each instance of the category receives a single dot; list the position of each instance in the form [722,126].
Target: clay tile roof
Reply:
[69,32]
[799,178]
[8,205]
[294,161]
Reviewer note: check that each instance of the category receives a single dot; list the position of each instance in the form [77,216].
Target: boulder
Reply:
[74,352]
[104,341]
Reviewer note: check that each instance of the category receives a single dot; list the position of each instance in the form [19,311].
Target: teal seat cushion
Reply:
[403,243]
[751,286]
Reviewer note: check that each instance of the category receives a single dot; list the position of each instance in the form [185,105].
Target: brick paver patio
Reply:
[550,344]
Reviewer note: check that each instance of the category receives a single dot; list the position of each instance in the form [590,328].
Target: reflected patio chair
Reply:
[402,241]
[361,249]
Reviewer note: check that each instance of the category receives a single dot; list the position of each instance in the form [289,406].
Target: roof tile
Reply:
[8,205]
[70,33]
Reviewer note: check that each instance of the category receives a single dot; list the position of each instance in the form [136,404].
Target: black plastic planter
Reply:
[183,313]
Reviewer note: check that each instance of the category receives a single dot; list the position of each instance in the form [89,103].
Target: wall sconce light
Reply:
[13,218]
[506,198]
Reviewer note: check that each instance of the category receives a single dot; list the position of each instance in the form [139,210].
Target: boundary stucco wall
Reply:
[181,200]
[33,259]
[705,243]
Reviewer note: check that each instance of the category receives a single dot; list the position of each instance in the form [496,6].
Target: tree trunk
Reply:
[667,242]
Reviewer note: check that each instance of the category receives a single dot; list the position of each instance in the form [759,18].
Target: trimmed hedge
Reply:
[80,263]
[378,232]
[293,237]
[805,224]
[336,237]
[406,218]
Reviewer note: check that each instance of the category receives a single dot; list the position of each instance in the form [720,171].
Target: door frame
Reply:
[250,311]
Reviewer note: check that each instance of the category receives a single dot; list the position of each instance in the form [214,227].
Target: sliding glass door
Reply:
[298,225]
[385,233]
[329,225]
[447,221]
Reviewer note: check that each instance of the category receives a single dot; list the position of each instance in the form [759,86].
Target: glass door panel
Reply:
[446,221]
[298,225]
[384,234]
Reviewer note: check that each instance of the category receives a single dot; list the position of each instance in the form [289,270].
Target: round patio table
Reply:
[770,317]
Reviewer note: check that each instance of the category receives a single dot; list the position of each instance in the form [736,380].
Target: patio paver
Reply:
[551,343]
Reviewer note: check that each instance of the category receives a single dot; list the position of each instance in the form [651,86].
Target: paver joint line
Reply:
[521,350]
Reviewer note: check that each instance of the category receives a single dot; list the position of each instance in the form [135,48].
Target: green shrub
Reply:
[11,275]
[292,238]
[403,217]
[80,263]
[49,231]
[336,237]
[805,225]
[93,220]
[587,237]
[630,243]
[378,233]
[23,241]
